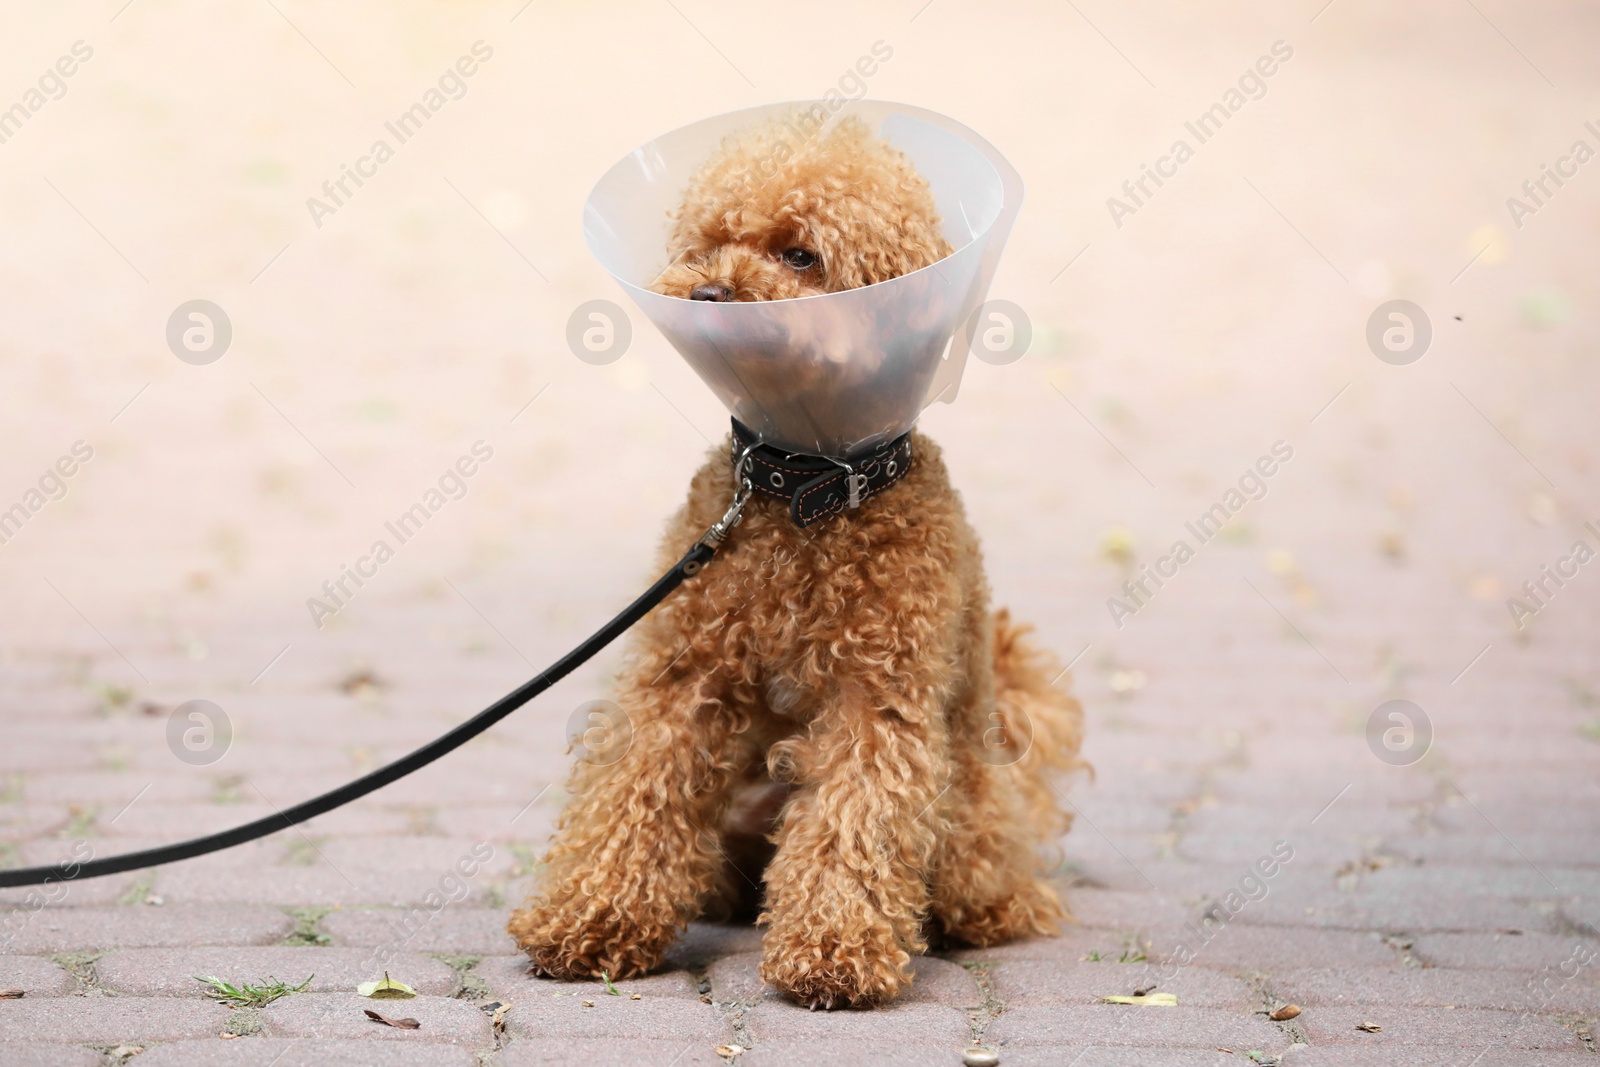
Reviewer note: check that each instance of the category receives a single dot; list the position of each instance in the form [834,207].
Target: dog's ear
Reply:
[881,228]
[864,208]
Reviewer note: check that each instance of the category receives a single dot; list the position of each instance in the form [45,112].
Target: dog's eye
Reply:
[800,259]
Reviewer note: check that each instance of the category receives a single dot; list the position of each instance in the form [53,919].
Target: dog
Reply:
[829,724]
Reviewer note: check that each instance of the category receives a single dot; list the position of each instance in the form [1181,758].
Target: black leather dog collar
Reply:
[815,486]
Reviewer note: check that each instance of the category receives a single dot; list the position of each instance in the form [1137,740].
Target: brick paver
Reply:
[1435,987]
[1342,1056]
[342,1015]
[890,1052]
[317,1052]
[1453,901]
[1109,1024]
[1027,982]
[611,1052]
[50,1054]
[1517,951]
[1097,1056]
[653,1017]
[35,976]
[170,972]
[1472,1028]
[778,1020]
[459,931]
[69,929]
[110,1020]
[508,981]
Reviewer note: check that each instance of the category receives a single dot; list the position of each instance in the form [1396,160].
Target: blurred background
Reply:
[1172,346]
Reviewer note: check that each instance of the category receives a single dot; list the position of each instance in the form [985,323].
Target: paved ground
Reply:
[1435,901]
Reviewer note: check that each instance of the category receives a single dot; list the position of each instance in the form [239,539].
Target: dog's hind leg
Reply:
[638,850]
[1007,736]
[986,886]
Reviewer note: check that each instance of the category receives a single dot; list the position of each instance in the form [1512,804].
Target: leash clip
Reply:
[742,489]
[719,530]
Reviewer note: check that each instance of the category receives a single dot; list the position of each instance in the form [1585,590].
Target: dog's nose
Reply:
[715,292]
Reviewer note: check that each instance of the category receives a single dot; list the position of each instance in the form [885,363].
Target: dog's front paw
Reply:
[571,944]
[829,972]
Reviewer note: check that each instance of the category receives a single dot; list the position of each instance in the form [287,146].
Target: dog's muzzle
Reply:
[816,487]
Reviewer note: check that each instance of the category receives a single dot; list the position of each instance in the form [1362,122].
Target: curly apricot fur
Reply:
[831,712]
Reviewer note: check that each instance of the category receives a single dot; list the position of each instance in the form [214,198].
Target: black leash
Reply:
[687,567]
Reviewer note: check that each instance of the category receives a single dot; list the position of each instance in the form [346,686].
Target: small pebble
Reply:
[980,1057]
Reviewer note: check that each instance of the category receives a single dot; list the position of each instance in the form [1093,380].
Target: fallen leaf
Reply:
[363,685]
[398,1024]
[498,1020]
[1285,1013]
[1116,545]
[12,994]
[1158,1000]
[1369,1028]
[387,989]
[728,1052]
[588,1003]
[1127,681]
[1484,587]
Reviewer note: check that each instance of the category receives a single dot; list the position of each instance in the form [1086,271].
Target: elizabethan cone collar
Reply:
[830,374]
